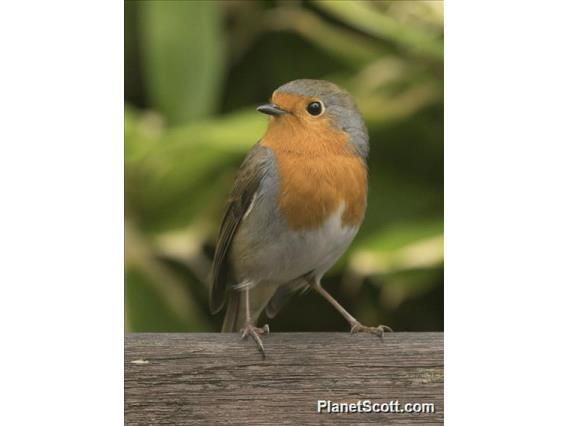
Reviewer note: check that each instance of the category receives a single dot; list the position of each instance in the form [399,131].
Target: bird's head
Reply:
[317,108]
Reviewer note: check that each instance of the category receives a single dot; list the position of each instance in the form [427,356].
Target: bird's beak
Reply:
[271,109]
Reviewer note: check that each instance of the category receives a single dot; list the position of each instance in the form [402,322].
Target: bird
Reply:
[298,200]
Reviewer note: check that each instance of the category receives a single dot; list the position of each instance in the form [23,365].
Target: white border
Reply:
[506,212]
[61,215]
[61,225]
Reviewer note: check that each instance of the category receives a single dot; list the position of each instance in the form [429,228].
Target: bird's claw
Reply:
[254,332]
[377,331]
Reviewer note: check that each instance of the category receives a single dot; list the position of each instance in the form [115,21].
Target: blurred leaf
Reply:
[339,42]
[142,132]
[182,52]
[400,235]
[177,173]
[231,133]
[185,246]
[400,286]
[379,108]
[363,16]
[148,278]
[400,247]
[145,308]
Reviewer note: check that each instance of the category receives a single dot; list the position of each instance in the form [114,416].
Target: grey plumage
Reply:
[251,172]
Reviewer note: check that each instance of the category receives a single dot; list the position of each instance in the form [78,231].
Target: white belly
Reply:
[291,254]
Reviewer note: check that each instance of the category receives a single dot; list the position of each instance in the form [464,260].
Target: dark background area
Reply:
[194,73]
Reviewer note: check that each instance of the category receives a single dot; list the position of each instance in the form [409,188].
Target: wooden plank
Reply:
[214,378]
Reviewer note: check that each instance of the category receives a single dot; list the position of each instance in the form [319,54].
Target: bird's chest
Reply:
[303,222]
[314,191]
[318,248]
[275,252]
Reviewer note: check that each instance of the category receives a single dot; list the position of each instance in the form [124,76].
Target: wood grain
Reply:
[214,378]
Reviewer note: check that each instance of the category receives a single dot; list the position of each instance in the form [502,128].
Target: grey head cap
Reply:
[339,105]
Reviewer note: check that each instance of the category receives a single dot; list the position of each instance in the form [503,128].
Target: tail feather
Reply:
[235,316]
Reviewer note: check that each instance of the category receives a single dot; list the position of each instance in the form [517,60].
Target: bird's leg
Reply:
[250,329]
[356,326]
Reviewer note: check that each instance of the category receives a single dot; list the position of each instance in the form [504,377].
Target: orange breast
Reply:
[318,173]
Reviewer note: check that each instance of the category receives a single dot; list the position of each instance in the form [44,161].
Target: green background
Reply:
[194,73]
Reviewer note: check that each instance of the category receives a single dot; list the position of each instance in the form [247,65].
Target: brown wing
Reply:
[246,184]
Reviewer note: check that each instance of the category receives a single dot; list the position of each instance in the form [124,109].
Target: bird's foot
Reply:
[377,331]
[255,332]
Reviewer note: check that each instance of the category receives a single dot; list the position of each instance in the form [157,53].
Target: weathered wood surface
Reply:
[214,378]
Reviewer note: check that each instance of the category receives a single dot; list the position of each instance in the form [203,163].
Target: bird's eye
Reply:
[315,108]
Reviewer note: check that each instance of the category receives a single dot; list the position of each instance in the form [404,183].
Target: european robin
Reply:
[298,200]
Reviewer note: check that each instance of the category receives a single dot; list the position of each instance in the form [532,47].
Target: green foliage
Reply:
[182,52]
[194,72]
